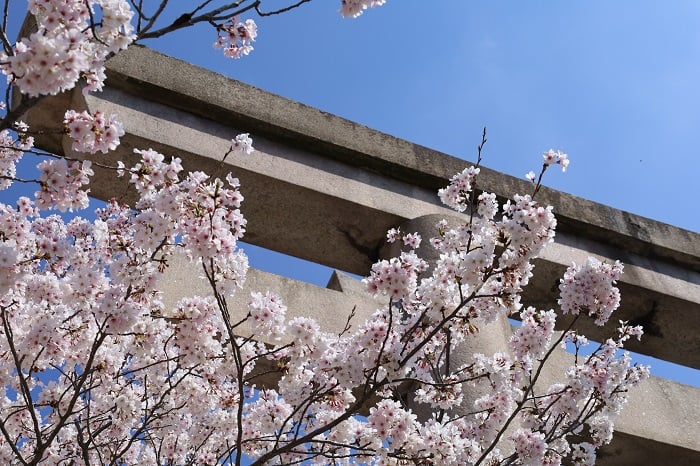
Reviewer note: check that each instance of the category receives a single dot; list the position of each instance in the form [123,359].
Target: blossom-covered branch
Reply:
[96,369]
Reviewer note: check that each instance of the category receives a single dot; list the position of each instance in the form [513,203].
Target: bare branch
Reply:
[281,10]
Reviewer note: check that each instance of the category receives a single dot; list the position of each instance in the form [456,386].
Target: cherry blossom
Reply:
[590,288]
[455,194]
[81,300]
[243,142]
[93,133]
[68,44]
[393,234]
[552,157]
[412,240]
[61,183]
[97,369]
[11,151]
[235,37]
[354,8]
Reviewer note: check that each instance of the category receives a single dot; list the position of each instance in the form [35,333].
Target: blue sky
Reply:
[613,84]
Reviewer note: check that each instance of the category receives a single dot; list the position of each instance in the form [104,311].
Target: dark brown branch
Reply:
[281,10]
[205,17]
[153,18]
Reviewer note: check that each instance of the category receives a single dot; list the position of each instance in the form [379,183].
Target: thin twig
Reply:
[281,10]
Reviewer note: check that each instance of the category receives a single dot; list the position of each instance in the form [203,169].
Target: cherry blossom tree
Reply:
[95,369]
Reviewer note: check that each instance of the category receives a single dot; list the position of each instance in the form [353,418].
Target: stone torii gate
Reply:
[326,190]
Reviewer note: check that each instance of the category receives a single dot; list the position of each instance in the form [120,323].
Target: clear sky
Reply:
[616,85]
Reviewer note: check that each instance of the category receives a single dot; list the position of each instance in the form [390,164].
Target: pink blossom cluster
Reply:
[449,394]
[269,411]
[204,213]
[211,226]
[393,235]
[61,184]
[455,195]
[392,422]
[151,172]
[354,8]
[468,263]
[410,240]
[73,40]
[590,288]
[242,143]
[397,277]
[191,381]
[98,369]
[552,157]
[11,151]
[236,36]
[596,388]
[197,330]
[483,266]
[93,132]
[80,302]
[530,447]
[534,336]
[527,227]
[266,315]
